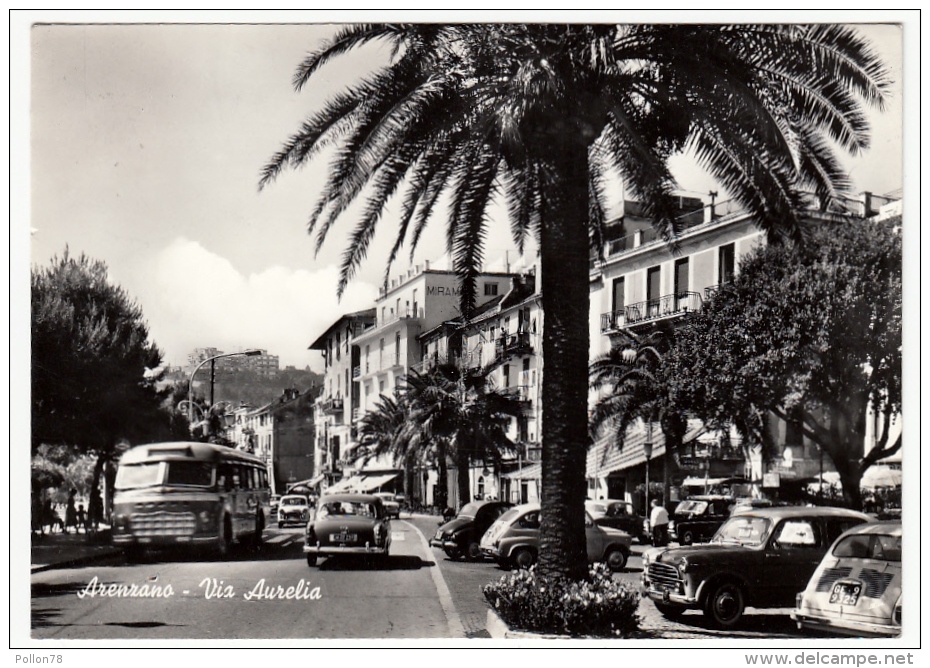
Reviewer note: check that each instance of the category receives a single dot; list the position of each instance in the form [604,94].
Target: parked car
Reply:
[856,589]
[697,519]
[293,509]
[391,507]
[761,558]
[619,515]
[347,524]
[459,538]
[513,540]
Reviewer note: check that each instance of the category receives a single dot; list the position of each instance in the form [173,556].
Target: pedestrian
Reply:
[658,520]
[71,513]
[95,510]
[81,518]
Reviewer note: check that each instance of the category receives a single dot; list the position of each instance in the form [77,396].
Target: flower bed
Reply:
[598,608]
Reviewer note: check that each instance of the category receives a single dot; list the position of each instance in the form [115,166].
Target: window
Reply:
[619,295]
[681,276]
[653,287]
[338,346]
[490,289]
[398,307]
[506,376]
[798,533]
[367,351]
[397,349]
[381,354]
[529,521]
[416,308]
[726,264]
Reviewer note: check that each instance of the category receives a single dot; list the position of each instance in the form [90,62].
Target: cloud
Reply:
[195,298]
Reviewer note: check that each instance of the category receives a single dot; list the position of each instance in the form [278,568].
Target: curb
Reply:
[498,629]
[76,561]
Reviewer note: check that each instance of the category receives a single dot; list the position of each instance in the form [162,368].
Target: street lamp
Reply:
[647,450]
[212,360]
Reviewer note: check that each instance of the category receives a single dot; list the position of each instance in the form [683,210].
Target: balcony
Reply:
[520,393]
[510,345]
[332,405]
[667,306]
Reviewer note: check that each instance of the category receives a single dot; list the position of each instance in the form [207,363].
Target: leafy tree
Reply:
[633,386]
[540,114]
[385,431]
[94,371]
[809,331]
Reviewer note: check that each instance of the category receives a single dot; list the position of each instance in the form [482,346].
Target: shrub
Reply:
[599,607]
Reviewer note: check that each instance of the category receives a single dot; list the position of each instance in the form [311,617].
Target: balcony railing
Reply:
[667,306]
[332,405]
[403,314]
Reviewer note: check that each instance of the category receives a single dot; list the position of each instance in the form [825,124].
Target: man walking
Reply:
[658,520]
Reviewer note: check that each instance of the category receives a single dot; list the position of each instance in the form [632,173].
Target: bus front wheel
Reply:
[224,541]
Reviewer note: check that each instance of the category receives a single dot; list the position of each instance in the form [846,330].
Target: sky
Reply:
[146,147]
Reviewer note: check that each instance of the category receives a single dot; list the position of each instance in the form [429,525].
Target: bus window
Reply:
[197,474]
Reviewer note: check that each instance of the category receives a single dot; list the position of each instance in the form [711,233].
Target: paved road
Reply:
[417,593]
[345,598]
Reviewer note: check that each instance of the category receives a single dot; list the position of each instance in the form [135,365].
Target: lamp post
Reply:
[212,360]
[647,450]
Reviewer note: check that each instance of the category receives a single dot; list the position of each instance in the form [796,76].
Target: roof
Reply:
[780,512]
[885,528]
[185,450]
[531,472]
[346,496]
[367,314]
[606,456]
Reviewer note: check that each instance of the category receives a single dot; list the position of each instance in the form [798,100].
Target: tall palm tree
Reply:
[634,385]
[449,404]
[383,431]
[540,115]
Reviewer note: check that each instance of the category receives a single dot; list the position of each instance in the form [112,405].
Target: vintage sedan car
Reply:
[293,509]
[760,558]
[620,515]
[697,519]
[391,506]
[856,590]
[460,537]
[347,524]
[513,540]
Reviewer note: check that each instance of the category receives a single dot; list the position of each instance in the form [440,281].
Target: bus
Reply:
[189,494]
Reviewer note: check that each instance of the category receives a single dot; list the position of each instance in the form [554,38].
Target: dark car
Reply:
[347,524]
[759,557]
[618,514]
[697,519]
[460,536]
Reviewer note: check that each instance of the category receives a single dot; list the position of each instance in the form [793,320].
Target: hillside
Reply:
[249,387]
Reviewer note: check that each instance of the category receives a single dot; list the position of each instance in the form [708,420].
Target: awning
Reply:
[310,482]
[698,482]
[344,485]
[605,457]
[371,482]
[530,472]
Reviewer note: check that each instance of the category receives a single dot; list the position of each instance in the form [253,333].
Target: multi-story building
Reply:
[640,282]
[338,402]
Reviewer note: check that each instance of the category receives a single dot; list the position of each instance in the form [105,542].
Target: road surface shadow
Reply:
[348,562]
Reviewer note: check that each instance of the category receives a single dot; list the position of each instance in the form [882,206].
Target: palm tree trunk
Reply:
[564,256]
[441,498]
[462,466]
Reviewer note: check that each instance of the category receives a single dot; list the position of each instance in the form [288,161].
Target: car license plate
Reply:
[845,593]
[343,537]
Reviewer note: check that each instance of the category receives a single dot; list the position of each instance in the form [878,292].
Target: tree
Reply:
[633,385]
[94,372]
[541,114]
[385,430]
[808,332]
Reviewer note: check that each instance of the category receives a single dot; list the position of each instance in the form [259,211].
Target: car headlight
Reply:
[896,615]
[204,517]
[683,565]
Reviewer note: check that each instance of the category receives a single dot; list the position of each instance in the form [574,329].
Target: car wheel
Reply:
[616,559]
[687,537]
[280,525]
[452,552]
[311,560]
[672,612]
[473,552]
[725,604]
[523,557]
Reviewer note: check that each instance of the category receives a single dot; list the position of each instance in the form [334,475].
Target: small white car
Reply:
[856,589]
[293,509]
[391,506]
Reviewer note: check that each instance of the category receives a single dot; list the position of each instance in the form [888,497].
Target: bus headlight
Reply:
[204,518]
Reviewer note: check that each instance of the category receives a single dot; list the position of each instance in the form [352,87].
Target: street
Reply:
[416,593]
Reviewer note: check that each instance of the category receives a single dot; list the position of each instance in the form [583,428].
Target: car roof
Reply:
[884,528]
[295,496]
[348,496]
[781,512]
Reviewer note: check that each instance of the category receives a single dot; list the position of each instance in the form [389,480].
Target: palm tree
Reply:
[457,408]
[540,115]
[382,432]
[634,385]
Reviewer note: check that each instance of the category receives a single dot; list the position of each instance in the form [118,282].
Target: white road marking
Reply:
[280,538]
[456,628]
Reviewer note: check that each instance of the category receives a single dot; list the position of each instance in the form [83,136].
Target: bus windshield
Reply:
[139,475]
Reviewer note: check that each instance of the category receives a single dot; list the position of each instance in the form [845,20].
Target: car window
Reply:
[530,520]
[869,546]
[720,508]
[347,509]
[797,533]
[743,530]
[617,510]
[469,510]
[695,507]
[509,515]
